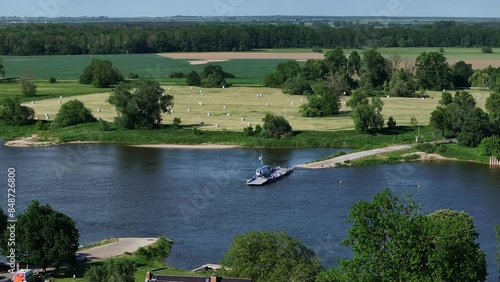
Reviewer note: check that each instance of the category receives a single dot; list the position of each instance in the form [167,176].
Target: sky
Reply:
[164,8]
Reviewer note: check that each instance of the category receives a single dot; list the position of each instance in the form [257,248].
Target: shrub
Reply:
[490,146]
[133,75]
[197,131]
[426,148]
[40,125]
[442,149]
[100,73]
[486,49]
[276,126]
[176,74]
[391,122]
[71,113]
[176,124]
[52,80]
[193,79]
[104,125]
[248,131]
[13,113]
[28,87]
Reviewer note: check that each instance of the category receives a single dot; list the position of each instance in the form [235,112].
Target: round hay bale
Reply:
[189,110]
[228,114]
[242,119]
[249,124]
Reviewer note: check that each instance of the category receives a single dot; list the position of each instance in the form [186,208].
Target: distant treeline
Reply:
[55,39]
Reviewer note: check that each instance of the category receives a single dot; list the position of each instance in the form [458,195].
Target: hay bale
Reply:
[189,110]
[192,87]
[242,119]
[224,107]
[249,124]
[228,114]
[60,97]
[293,103]
[59,102]
[267,104]
[302,100]
[32,102]
[209,114]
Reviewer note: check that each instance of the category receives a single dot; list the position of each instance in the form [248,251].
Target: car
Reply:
[81,257]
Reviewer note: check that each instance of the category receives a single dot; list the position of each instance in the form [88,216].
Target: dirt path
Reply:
[330,163]
[117,248]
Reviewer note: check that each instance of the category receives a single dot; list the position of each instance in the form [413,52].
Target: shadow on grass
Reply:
[399,130]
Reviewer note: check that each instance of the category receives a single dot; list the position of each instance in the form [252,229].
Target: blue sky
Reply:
[160,8]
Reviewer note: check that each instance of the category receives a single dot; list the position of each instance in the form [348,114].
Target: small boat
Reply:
[265,174]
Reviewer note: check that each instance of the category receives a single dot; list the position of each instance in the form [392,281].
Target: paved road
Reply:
[331,162]
[117,248]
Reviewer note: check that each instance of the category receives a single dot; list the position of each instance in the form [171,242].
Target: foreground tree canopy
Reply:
[141,105]
[393,241]
[45,237]
[267,256]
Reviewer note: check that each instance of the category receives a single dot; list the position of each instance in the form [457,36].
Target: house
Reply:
[172,278]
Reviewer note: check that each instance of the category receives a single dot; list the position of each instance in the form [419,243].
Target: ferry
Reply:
[265,174]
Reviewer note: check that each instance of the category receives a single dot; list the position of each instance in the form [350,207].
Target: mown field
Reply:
[239,102]
[247,71]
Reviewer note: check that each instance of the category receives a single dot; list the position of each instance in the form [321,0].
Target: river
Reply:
[199,198]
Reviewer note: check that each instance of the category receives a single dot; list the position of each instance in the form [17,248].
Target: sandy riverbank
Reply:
[200,146]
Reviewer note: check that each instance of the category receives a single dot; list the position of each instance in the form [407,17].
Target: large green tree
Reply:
[71,113]
[267,256]
[193,79]
[402,84]
[449,118]
[354,62]
[13,113]
[101,73]
[276,126]
[493,108]
[393,241]
[141,106]
[433,72]
[336,60]
[475,128]
[374,69]
[46,237]
[366,111]
[460,74]
[314,69]
[325,100]
[284,71]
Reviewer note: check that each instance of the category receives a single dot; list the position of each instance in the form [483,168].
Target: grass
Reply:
[240,102]
[456,151]
[46,90]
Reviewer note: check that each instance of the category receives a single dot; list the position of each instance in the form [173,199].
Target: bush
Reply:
[197,131]
[104,125]
[13,113]
[176,124]
[276,126]
[490,146]
[158,251]
[258,129]
[112,270]
[72,113]
[193,79]
[176,74]
[133,75]
[442,149]
[248,131]
[28,87]
[391,122]
[426,148]
[52,80]
[486,49]
[101,73]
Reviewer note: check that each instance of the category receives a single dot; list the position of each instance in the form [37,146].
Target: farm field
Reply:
[249,67]
[243,102]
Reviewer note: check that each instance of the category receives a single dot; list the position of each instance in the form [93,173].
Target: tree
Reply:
[13,113]
[493,108]
[402,84]
[336,60]
[433,71]
[326,98]
[276,126]
[46,237]
[101,73]
[393,241]
[141,107]
[449,118]
[266,256]
[113,270]
[297,86]
[490,146]
[28,87]
[283,72]
[486,49]
[193,79]
[476,126]
[446,99]
[366,113]
[460,74]
[2,68]
[314,69]
[455,255]
[73,112]
[216,80]
[391,122]
[374,70]
[479,79]
[354,62]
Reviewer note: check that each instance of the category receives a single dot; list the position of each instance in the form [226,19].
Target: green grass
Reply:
[46,90]
[146,65]
[456,151]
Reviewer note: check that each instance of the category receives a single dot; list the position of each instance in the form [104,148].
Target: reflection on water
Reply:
[200,200]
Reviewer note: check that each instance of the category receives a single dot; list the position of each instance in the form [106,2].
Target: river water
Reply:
[199,198]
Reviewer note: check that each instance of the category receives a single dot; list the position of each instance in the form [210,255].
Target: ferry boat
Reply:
[265,174]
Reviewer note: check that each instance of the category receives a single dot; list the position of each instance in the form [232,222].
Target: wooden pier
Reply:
[494,162]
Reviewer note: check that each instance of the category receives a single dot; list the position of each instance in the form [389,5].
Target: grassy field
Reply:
[241,103]
[154,66]
[146,65]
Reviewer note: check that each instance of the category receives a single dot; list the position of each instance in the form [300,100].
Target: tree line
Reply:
[121,38]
